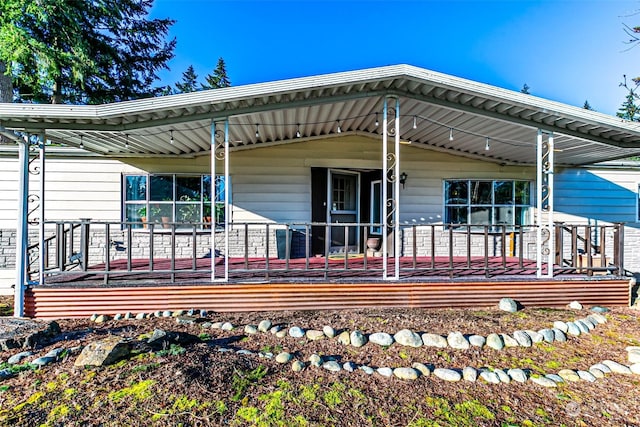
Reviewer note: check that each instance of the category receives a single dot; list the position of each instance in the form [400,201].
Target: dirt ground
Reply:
[200,385]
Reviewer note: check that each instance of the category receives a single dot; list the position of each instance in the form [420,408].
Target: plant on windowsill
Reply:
[142,214]
[206,213]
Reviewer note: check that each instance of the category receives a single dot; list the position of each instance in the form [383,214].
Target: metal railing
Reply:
[178,252]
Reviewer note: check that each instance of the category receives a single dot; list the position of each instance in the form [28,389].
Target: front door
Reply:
[344,207]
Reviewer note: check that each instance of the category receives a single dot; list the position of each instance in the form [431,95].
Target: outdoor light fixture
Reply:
[81,142]
[126,142]
[486,145]
[415,122]
[257,131]
[298,131]
[377,122]
[339,127]
[171,139]
[450,134]
[403,179]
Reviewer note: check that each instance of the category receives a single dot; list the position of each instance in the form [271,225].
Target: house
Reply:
[379,173]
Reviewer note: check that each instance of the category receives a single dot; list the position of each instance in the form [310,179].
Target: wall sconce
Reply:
[403,179]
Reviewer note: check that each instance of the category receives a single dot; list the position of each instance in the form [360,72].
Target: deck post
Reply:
[220,151]
[22,230]
[545,242]
[391,171]
[41,236]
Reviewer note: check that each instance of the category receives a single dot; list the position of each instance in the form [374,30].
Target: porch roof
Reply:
[261,114]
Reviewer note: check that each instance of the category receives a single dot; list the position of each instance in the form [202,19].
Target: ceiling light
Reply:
[171,139]
[298,131]
[377,122]
[415,122]
[257,131]
[339,127]
[451,134]
[486,145]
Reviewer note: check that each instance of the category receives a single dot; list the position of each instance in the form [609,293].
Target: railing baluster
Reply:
[588,249]
[307,230]
[433,246]
[521,246]
[60,240]
[414,234]
[151,233]
[194,247]
[468,246]
[327,231]
[346,247]
[267,252]
[129,243]
[173,253]
[366,247]
[486,251]
[107,252]
[450,250]
[504,247]
[246,246]
[287,246]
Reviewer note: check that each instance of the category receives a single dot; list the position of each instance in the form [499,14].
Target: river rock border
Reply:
[560,332]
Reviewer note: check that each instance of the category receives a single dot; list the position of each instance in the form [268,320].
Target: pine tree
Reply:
[629,110]
[587,106]
[525,89]
[218,78]
[189,81]
[91,51]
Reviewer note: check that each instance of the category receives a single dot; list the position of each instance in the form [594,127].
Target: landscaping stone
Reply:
[217,325]
[157,313]
[509,341]
[523,338]
[559,324]
[349,366]
[547,335]
[558,335]
[575,305]
[406,373]
[103,352]
[296,332]
[569,375]
[102,318]
[584,329]
[167,313]
[602,367]
[381,338]
[267,355]
[344,338]
[555,377]
[314,335]
[281,333]
[586,376]
[408,338]
[43,361]
[635,368]
[204,313]
[332,366]
[275,329]
[161,339]
[470,374]
[544,381]
[589,323]
[633,356]
[264,325]
[495,341]
[178,313]
[5,374]
[315,360]
[17,358]
[490,377]
[599,309]
[184,320]
[227,326]
[502,376]
[517,375]
[93,317]
[358,339]
[244,352]
[447,374]
[329,331]
[508,304]
[55,353]
[297,366]
[599,317]
[118,316]
[283,357]
[596,372]
[424,370]
[476,340]
[457,341]
[616,368]
[139,316]
[250,329]
[367,369]
[385,372]
[536,337]
[434,340]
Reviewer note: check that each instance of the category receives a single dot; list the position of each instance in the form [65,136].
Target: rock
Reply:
[349,366]
[477,340]
[469,374]
[55,353]
[447,374]
[599,318]
[586,376]
[283,357]
[244,352]
[102,318]
[406,373]
[509,341]
[536,337]
[264,325]
[558,335]
[103,352]
[315,360]
[596,372]
[381,338]
[408,338]
[296,332]
[547,335]
[344,338]
[599,309]
[178,313]
[635,368]
[267,355]
[207,325]
[157,313]
[357,339]
[167,313]
[544,381]
[424,370]
[366,369]
[314,335]
[128,316]
[93,317]
[141,316]
[591,324]
[227,326]
[490,377]
[191,312]
[434,340]
[118,316]
[502,376]
[575,305]
[7,344]
[5,374]
[555,377]
[457,341]
[602,367]
[250,329]
[43,361]
[558,324]
[592,318]
[572,329]
[184,320]
[508,304]
[523,338]
[385,372]
[297,366]
[217,325]
[275,329]
[616,368]
[17,358]
[161,339]
[495,341]
[633,356]
[329,331]
[569,375]
[584,329]
[204,313]
[281,333]
[517,375]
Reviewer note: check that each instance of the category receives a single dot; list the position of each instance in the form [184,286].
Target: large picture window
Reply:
[167,198]
[487,202]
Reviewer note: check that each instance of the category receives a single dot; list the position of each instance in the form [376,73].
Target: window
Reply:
[487,202]
[163,198]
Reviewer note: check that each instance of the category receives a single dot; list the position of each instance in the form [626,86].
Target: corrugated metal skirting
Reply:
[60,302]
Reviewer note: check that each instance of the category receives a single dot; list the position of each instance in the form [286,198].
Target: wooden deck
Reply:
[289,286]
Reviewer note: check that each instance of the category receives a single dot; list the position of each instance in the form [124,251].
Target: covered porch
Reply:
[313,225]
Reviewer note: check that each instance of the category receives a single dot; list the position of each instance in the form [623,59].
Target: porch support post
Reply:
[219,151]
[545,243]
[391,171]
[22,229]
[41,231]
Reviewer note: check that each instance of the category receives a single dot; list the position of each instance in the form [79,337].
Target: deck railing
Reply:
[113,251]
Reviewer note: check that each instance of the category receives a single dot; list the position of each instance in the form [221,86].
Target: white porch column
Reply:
[391,172]
[41,232]
[545,241]
[220,151]
[22,229]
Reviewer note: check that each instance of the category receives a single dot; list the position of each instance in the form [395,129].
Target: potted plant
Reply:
[142,214]
[206,212]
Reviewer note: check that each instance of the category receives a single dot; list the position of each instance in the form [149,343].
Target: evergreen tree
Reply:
[587,106]
[629,110]
[89,51]
[218,78]
[525,89]
[189,81]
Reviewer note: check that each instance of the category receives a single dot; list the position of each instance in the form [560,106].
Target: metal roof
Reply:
[440,105]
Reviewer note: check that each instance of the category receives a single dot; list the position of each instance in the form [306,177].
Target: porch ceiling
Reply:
[316,106]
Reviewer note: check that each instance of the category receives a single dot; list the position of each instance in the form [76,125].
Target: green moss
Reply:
[137,391]
[335,396]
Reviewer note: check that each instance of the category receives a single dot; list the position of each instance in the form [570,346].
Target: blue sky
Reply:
[569,51]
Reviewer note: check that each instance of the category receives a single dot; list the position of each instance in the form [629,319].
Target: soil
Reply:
[199,385]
